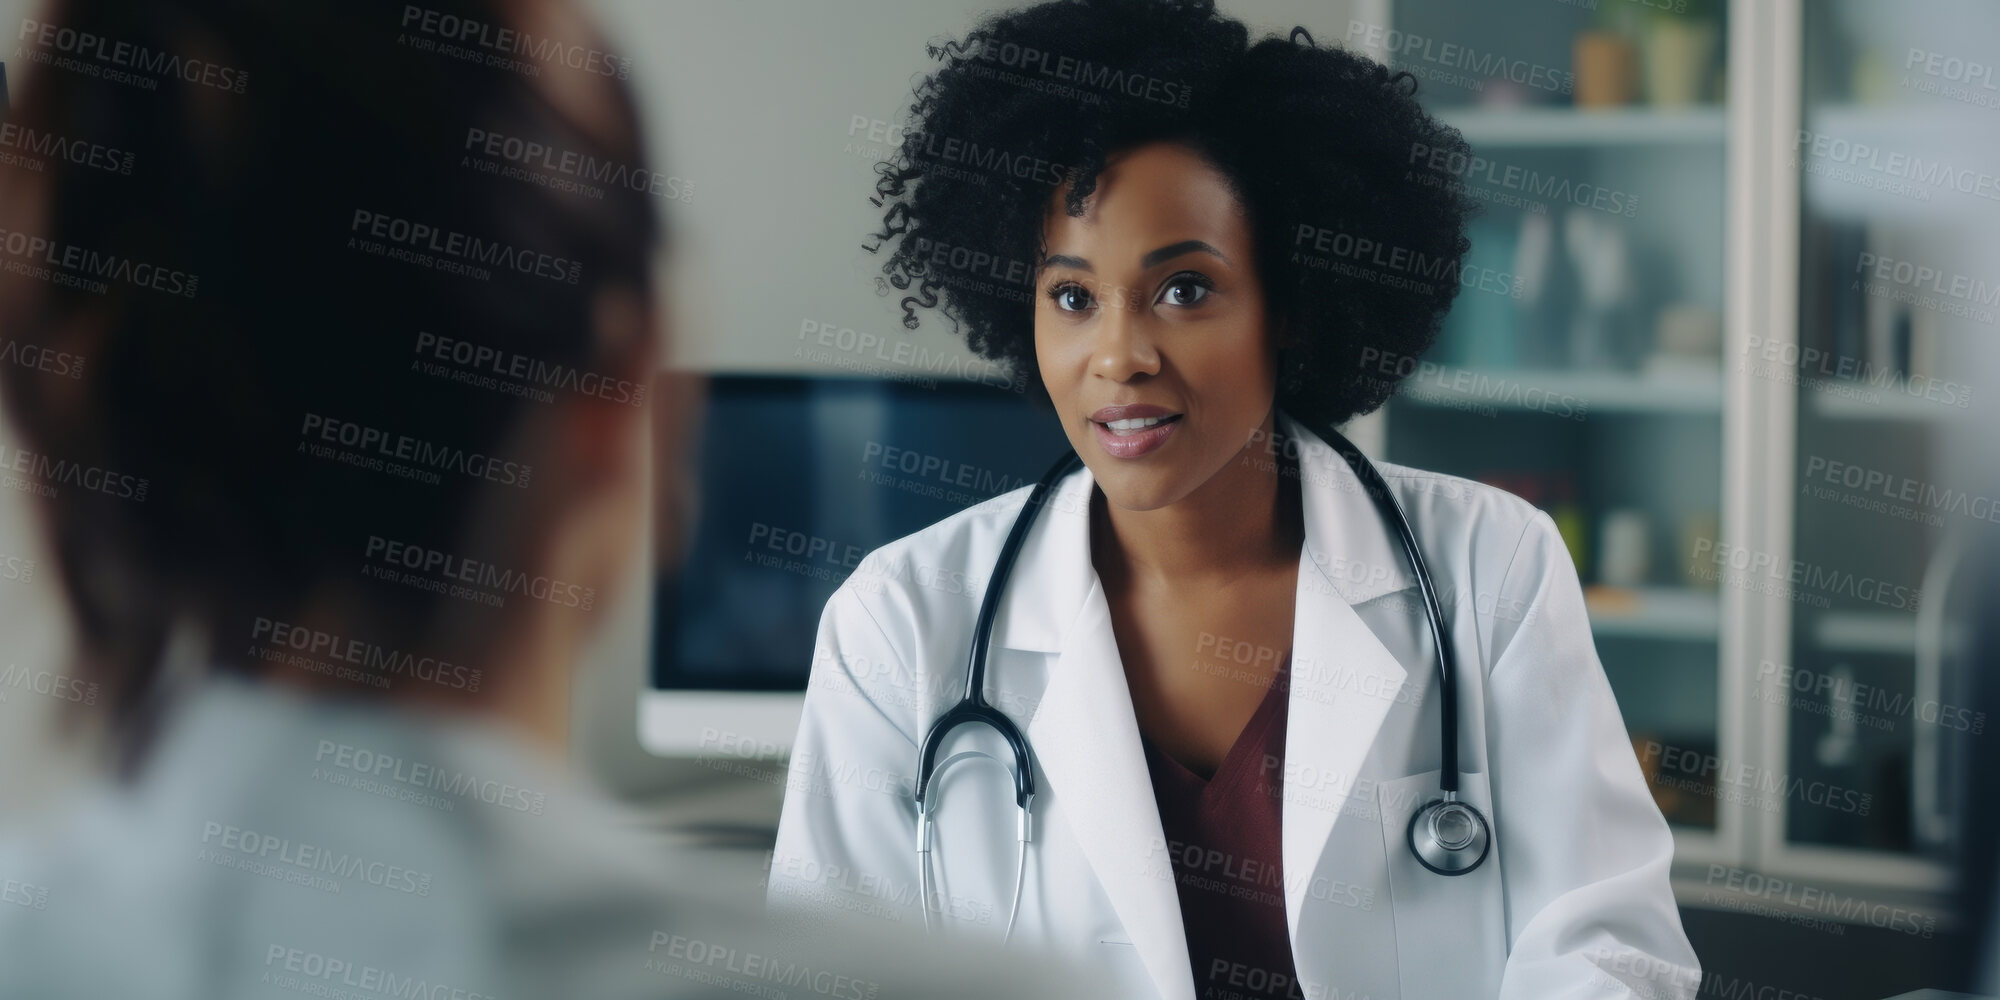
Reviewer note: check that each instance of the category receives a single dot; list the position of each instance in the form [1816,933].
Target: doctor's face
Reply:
[1150,327]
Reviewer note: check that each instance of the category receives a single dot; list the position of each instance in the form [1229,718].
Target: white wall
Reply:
[752,101]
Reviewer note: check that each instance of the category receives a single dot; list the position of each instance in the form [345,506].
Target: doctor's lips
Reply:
[1133,430]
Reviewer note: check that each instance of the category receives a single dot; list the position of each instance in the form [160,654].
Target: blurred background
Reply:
[1731,316]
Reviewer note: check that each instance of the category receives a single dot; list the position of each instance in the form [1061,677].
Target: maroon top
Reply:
[1224,835]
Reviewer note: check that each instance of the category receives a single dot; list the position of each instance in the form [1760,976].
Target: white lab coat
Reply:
[1573,901]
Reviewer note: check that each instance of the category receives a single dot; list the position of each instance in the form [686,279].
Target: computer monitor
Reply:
[798,479]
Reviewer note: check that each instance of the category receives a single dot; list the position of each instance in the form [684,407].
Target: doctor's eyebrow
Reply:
[1156,257]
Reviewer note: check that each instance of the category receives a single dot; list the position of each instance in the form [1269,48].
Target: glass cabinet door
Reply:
[1898,161]
[1581,366]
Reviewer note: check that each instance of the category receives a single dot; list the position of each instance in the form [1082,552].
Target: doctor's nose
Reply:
[1123,347]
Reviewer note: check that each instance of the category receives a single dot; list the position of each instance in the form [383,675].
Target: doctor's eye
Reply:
[1070,297]
[1187,288]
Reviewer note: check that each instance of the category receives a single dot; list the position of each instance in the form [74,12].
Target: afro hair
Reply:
[1359,245]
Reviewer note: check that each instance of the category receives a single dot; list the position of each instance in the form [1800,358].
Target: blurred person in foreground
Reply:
[344,471]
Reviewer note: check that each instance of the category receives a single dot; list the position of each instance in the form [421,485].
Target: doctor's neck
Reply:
[1245,518]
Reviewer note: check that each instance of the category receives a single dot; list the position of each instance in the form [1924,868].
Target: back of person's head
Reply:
[339,308]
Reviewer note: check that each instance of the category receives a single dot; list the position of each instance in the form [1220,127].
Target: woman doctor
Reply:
[1199,249]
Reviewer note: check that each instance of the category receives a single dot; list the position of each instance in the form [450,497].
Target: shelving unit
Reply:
[1591,455]
[1719,453]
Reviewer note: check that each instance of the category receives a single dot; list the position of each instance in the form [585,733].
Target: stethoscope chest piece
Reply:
[1449,837]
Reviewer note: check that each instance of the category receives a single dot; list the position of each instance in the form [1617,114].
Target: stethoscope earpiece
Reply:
[1449,837]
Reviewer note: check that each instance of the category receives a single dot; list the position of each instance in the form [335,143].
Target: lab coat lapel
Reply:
[1085,736]
[1343,679]
[1343,682]
[1086,740]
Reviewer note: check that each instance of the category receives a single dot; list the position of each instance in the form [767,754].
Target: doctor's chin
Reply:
[900,499]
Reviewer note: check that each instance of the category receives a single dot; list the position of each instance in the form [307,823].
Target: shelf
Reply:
[1579,128]
[1653,612]
[1858,401]
[1866,631]
[1889,632]
[1900,124]
[1568,394]
[1902,161]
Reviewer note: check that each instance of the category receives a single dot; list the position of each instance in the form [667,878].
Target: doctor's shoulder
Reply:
[1491,552]
[896,630]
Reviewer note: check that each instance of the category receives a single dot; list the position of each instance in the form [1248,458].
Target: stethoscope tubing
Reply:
[973,708]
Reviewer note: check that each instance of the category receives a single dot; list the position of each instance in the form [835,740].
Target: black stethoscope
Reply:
[1448,836]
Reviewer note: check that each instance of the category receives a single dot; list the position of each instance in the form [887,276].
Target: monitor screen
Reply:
[799,478]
